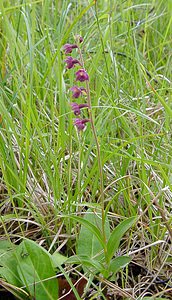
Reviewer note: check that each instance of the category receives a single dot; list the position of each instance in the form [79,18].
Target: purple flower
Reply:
[77,108]
[69,47]
[77,91]
[80,123]
[79,38]
[81,75]
[71,62]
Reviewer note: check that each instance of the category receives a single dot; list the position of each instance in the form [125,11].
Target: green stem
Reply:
[98,153]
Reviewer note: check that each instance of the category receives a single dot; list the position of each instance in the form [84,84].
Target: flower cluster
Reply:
[81,75]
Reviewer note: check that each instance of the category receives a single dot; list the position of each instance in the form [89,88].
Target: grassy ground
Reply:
[48,170]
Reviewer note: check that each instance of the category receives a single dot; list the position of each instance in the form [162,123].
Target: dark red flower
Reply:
[69,47]
[77,108]
[77,91]
[79,38]
[80,123]
[71,62]
[81,75]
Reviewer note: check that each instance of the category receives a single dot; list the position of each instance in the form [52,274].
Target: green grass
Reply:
[127,53]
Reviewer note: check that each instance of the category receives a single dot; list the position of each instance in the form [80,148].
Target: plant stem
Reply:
[98,153]
[79,167]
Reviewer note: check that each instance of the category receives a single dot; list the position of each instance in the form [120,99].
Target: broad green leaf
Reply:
[118,263]
[10,273]
[35,268]
[88,243]
[6,245]
[58,259]
[8,264]
[85,261]
[8,269]
[116,236]
[115,265]
[96,231]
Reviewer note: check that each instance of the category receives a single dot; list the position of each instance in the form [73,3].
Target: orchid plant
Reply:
[82,76]
[100,237]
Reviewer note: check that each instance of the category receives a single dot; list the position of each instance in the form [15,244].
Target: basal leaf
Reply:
[116,236]
[88,243]
[118,263]
[87,224]
[35,268]
[6,245]
[58,259]
[8,264]
[85,261]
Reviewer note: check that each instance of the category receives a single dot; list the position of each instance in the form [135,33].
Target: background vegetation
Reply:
[49,172]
